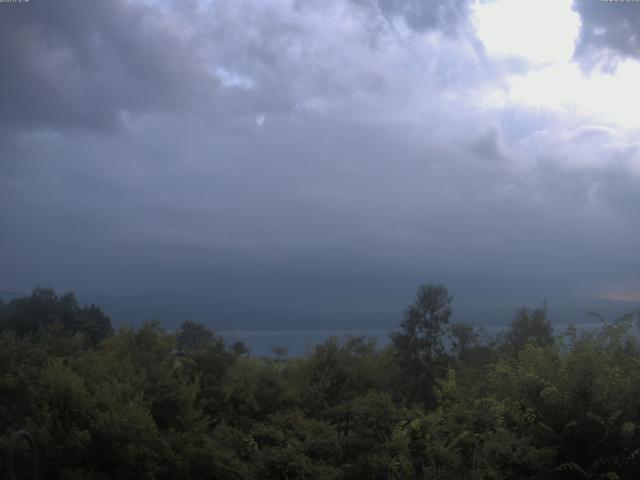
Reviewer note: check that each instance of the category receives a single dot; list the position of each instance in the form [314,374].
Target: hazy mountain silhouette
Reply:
[219,314]
[173,308]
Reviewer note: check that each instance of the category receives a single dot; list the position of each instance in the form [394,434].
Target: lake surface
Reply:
[299,342]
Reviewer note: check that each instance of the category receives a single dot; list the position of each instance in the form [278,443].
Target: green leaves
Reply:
[146,403]
[530,326]
[43,314]
[418,344]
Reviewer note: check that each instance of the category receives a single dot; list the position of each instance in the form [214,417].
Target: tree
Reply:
[418,344]
[530,326]
[92,323]
[44,313]
[463,338]
[239,348]
[193,336]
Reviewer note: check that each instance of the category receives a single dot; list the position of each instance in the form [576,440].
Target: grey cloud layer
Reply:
[608,28]
[371,154]
[74,63]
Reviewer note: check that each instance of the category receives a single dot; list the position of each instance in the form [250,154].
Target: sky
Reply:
[325,152]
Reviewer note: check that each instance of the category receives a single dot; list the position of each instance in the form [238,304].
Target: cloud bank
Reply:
[324,150]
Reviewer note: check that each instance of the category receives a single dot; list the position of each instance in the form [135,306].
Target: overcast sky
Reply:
[321,150]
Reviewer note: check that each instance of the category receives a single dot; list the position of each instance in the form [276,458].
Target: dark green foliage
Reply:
[530,326]
[194,337]
[150,404]
[418,345]
[45,314]
[239,348]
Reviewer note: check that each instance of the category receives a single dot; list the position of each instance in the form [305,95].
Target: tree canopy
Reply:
[441,401]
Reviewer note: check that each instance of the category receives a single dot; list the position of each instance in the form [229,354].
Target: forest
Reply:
[443,401]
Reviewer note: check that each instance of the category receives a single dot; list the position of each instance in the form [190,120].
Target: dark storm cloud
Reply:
[608,29]
[77,63]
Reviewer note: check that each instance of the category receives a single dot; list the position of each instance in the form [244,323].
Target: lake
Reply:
[299,342]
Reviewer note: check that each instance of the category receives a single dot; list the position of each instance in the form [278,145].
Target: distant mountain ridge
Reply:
[171,309]
[219,314]
[7,295]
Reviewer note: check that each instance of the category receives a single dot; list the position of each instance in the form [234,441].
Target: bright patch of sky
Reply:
[612,97]
[544,33]
[230,79]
